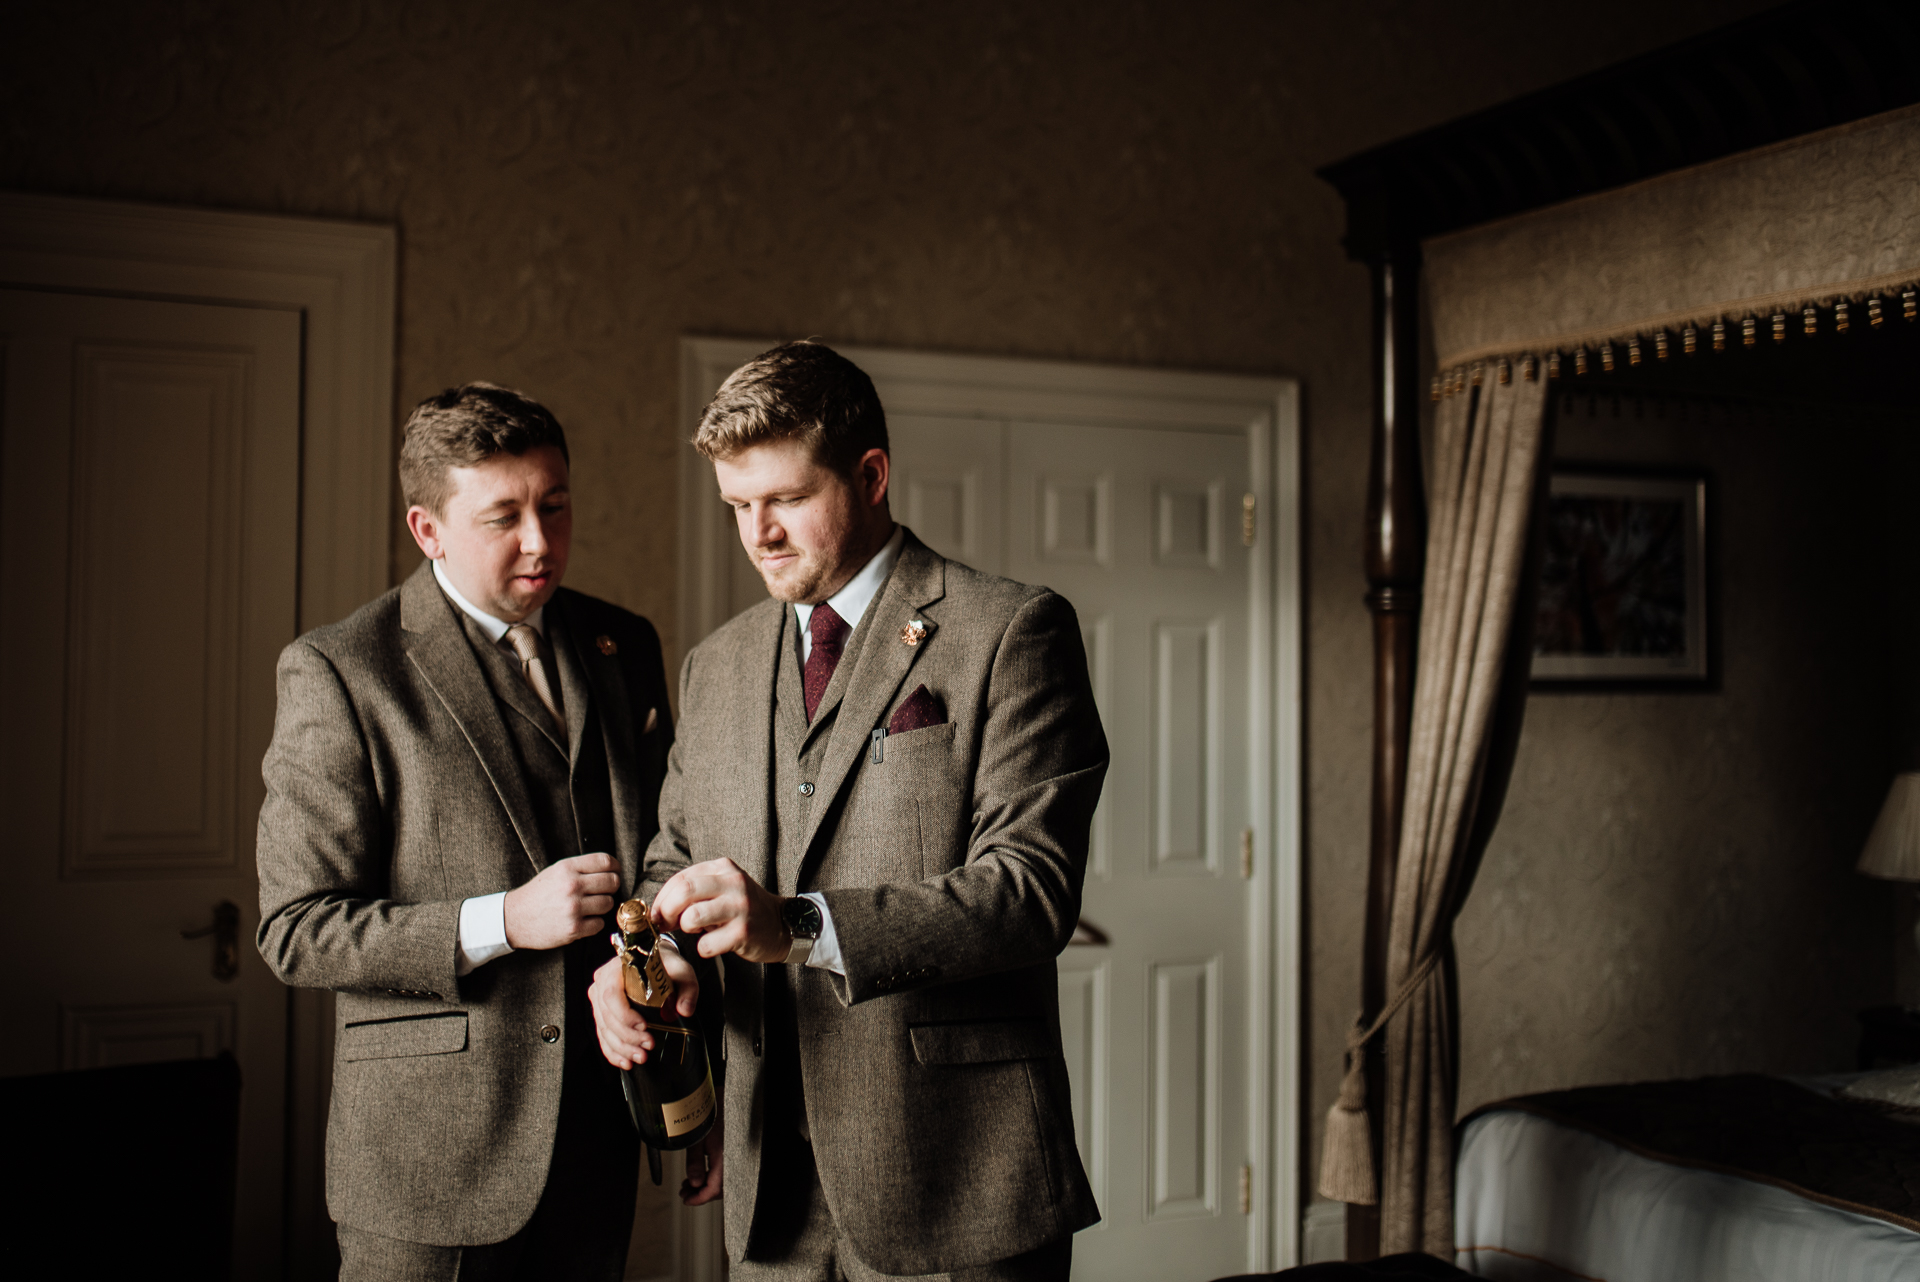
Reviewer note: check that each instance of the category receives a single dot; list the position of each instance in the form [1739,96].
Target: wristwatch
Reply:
[801,917]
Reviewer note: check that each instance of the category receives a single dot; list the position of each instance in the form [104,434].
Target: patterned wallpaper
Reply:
[1671,891]
[579,183]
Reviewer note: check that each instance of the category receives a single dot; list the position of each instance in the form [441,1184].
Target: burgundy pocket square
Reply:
[917,713]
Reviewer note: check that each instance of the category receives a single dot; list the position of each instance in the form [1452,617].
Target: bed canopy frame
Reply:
[1786,74]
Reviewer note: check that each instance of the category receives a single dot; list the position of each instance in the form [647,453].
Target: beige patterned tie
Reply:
[526,644]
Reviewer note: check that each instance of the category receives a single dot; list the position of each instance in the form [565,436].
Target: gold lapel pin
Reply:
[606,645]
[914,633]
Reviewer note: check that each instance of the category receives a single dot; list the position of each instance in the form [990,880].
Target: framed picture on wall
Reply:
[1623,585]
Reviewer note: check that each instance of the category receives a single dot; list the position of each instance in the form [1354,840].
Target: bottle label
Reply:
[682,1116]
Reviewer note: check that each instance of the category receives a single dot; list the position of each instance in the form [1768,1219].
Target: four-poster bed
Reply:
[1785,210]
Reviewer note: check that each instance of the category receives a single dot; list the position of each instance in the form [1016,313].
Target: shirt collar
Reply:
[494,628]
[851,601]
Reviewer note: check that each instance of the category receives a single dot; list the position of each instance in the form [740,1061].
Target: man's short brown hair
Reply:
[463,427]
[802,391]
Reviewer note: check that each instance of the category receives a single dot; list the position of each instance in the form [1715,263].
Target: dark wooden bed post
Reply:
[1395,564]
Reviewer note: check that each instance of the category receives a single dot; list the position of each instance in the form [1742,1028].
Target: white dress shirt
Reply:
[850,602]
[482,935]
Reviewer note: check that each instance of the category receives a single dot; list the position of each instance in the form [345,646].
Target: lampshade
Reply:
[1893,847]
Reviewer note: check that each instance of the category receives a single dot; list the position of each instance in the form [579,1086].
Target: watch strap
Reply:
[801,917]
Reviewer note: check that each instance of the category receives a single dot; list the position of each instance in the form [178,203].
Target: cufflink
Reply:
[606,645]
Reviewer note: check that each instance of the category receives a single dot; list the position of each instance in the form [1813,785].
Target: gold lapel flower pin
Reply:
[606,645]
[914,633]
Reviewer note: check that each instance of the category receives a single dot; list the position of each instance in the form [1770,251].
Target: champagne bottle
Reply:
[670,1095]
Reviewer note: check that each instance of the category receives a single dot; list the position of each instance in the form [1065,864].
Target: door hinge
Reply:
[1246,520]
[1246,1190]
[1246,853]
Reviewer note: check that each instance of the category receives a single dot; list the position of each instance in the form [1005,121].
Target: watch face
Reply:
[801,918]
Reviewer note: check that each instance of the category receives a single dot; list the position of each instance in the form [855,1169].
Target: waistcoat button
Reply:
[806,790]
[548,1033]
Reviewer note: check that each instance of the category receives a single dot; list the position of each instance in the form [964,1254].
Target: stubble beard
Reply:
[799,583]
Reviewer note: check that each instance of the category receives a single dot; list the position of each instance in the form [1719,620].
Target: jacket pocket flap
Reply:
[413,1035]
[983,1043]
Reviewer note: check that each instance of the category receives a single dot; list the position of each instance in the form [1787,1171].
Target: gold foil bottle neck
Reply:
[641,972]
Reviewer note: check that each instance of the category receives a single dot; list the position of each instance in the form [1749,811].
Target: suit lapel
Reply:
[573,674]
[752,711]
[590,678]
[880,666]
[437,648]
[789,691]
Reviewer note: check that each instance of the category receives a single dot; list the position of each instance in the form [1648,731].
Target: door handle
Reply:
[1085,932]
[226,939]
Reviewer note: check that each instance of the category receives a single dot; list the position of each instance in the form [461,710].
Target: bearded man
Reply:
[877,815]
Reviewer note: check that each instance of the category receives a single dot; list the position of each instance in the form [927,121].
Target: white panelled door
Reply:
[1141,530]
[149,509]
[1160,505]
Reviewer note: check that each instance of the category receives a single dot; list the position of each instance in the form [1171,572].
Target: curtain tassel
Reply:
[1346,1161]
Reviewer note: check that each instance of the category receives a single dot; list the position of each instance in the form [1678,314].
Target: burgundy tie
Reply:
[829,633]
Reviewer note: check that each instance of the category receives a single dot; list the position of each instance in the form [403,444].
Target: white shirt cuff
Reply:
[483,932]
[826,949]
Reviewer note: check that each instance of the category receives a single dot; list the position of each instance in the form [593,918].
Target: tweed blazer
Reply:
[393,793]
[934,1084]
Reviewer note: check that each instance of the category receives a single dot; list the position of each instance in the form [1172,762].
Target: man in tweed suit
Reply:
[877,813]
[463,776]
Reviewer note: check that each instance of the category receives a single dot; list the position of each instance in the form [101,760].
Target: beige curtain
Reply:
[1469,695]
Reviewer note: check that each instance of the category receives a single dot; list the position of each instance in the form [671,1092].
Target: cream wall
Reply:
[578,184]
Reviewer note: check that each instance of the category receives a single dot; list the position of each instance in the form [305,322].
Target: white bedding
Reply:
[1536,1201]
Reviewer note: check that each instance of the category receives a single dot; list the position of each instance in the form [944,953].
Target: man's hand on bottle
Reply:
[569,900]
[728,910]
[624,1036]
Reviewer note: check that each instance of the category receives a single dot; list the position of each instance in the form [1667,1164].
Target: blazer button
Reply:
[806,790]
[548,1033]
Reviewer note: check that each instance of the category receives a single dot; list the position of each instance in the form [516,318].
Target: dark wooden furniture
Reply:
[1792,71]
[123,1171]
[1889,1037]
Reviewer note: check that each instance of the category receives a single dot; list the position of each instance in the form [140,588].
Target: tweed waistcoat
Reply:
[572,803]
[572,800]
[799,760]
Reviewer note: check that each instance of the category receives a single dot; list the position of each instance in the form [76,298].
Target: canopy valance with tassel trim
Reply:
[1819,233]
